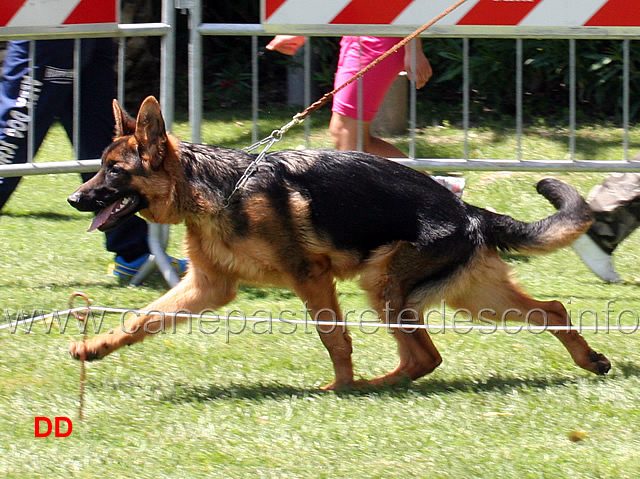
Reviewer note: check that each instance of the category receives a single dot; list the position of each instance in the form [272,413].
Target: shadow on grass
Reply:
[594,148]
[44,215]
[274,293]
[184,394]
[627,369]
[501,384]
[155,281]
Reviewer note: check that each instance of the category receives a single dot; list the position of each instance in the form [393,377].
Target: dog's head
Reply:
[131,175]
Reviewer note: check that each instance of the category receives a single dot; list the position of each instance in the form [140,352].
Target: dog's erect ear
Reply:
[150,132]
[125,125]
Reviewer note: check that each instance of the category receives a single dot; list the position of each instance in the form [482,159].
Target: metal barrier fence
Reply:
[518,34]
[197,30]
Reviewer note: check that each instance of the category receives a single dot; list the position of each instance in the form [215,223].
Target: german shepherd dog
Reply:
[305,218]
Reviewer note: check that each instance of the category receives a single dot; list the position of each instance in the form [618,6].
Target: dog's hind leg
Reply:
[418,355]
[388,281]
[487,289]
[318,291]
[195,293]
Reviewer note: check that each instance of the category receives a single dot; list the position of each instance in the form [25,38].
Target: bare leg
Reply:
[344,131]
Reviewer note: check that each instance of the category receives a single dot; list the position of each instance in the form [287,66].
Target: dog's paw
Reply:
[358,385]
[334,386]
[600,364]
[77,350]
[80,351]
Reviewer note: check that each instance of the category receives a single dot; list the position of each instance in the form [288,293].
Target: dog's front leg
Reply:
[193,294]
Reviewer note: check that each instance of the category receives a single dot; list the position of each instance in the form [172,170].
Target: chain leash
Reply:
[268,142]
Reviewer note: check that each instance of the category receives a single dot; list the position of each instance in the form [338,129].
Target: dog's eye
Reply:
[115,169]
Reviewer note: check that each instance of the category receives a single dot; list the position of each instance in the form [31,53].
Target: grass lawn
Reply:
[191,404]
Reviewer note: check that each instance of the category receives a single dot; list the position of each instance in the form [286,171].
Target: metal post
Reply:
[122,54]
[255,99]
[412,100]
[31,129]
[465,95]
[359,83]
[307,88]
[167,65]
[195,72]
[572,99]
[519,60]
[159,234]
[77,51]
[625,96]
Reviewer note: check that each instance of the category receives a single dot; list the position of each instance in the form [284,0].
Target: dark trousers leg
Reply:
[52,89]
[97,87]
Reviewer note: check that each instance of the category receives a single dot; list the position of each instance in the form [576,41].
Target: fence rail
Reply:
[49,167]
[426,164]
[458,31]
[81,31]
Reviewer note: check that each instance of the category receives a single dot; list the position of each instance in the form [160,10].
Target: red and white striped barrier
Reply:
[525,13]
[34,14]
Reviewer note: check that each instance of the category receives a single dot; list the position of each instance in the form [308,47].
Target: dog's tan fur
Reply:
[282,244]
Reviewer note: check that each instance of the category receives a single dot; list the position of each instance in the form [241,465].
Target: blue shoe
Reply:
[180,265]
[128,269]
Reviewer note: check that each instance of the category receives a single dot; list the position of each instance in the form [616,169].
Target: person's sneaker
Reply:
[180,265]
[455,184]
[596,259]
[128,269]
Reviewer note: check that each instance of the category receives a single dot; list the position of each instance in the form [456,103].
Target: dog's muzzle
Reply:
[79,202]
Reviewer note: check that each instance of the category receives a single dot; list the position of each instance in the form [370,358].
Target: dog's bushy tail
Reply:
[571,220]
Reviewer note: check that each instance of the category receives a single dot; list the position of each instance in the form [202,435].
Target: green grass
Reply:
[199,405]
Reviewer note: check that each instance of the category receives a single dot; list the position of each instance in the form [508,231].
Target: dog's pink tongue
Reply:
[101,217]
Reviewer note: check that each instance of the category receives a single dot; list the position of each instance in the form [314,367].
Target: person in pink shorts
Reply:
[355,54]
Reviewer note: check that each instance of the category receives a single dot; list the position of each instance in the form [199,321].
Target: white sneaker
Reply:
[455,184]
[596,259]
